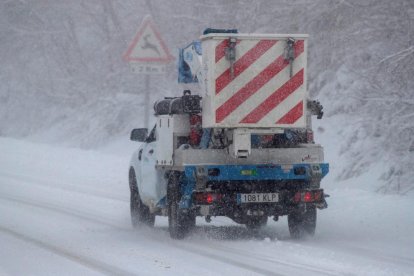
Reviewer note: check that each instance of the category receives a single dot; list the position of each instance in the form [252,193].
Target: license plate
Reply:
[257,198]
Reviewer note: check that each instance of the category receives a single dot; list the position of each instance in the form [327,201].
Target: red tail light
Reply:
[308,196]
[207,198]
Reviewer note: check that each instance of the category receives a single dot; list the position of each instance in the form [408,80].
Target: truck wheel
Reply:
[302,223]
[256,223]
[179,223]
[140,214]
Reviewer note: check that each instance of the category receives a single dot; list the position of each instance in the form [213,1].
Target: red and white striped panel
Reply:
[261,92]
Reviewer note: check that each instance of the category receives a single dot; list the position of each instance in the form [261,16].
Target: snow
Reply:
[68,103]
[66,211]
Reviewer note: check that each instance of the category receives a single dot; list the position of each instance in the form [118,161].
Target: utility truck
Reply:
[240,146]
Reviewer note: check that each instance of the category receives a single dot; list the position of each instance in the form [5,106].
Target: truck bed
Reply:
[305,153]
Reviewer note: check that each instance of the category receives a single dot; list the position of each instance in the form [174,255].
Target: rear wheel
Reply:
[179,222]
[302,223]
[140,214]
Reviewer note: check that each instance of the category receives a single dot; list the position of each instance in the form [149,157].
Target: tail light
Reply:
[308,196]
[207,198]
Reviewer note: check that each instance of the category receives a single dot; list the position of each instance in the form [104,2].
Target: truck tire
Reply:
[302,223]
[140,214]
[179,223]
[256,223]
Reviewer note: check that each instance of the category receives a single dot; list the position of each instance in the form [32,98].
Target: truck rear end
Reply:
[242,148]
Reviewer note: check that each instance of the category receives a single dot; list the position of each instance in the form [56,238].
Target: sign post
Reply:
[147,55]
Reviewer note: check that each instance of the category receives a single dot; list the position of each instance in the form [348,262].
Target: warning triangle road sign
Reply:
[147,45]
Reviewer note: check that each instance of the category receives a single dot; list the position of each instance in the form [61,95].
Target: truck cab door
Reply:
[148,173]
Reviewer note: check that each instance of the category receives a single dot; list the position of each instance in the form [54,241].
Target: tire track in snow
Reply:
[196,249]
[177,244]
[344,248]
[66,211]
[48,184]
[216,254]
[369,254]
[188,249]
[223,258]
[84,217]
[374,255]
[80,259]
[260,257]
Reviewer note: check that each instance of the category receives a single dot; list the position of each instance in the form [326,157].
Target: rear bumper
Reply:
[230,179]
[229,206]
[302,171]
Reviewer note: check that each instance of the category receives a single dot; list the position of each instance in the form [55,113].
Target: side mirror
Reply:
[139,134]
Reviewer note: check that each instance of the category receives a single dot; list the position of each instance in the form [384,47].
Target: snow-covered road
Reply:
[66,211]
